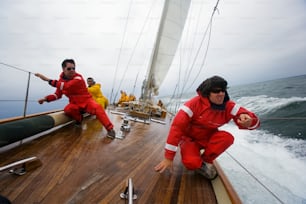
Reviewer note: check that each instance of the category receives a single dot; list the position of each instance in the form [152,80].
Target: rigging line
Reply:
[119,55]
[14,67]
[204,59]
[254,177]
[133,92]
[188,57]
[181,46]
[172,96]
[16,100]
[134,48]
[180,52]
[198,51]
[193,63]
[193,40]
[208,43]
[284,118]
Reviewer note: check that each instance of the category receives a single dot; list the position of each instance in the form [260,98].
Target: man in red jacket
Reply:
[74,87]
[195,128]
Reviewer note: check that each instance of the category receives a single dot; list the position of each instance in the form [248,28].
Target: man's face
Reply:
[69,70]
[217,95]
[90,82]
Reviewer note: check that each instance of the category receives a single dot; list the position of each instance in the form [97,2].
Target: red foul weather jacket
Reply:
[75,89]
[79,98]
[197,121]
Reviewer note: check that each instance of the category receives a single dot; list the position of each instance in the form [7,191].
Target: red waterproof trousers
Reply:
[92,108]
[217,144]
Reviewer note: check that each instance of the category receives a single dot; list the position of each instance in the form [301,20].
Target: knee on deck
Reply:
[192,163]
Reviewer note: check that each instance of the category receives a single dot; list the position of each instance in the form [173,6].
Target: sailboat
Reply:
[45,158]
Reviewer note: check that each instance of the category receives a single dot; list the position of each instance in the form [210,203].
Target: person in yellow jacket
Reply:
[123,98]
[95,90]
[132,97]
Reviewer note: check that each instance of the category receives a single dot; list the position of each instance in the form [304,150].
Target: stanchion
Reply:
[129,192]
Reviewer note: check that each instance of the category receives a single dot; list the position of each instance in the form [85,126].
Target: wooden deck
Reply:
[81,165]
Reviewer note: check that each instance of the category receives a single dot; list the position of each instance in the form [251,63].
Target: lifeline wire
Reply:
[275,196]
[14,67]
[285,118]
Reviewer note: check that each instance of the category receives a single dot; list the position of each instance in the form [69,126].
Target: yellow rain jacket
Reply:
[131,97]
[95,91]
[123,97]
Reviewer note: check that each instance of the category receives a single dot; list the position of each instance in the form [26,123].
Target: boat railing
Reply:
[19,108]
[6,67]
[18,97]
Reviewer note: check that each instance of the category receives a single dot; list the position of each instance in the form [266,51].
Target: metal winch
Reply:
[125,125]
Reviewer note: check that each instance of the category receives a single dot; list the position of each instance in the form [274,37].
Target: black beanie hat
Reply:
[214,82]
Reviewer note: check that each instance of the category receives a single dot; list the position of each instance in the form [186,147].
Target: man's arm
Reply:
[42,77]
[52,97]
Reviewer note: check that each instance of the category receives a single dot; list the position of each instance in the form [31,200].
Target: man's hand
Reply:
[42,100]
[42,77]
[163,165]
[244,120]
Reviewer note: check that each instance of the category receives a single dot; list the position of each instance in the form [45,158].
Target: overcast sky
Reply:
[251,41]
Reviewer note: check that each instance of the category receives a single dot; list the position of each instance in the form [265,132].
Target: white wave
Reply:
[260,104]
[269,159]
[263,104]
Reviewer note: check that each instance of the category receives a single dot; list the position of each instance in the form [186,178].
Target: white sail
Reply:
[168,37]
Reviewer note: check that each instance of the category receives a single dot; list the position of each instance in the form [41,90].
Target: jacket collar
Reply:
[62,76]
[214,106]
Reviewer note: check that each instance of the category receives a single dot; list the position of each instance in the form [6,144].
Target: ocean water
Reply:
[14,108]
[268,165]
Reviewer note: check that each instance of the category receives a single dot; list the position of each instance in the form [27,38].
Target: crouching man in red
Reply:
[195,128]
[74,87]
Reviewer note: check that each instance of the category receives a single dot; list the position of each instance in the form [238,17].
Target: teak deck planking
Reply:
[82,165]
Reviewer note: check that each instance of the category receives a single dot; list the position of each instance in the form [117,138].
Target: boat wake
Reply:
[276,164]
